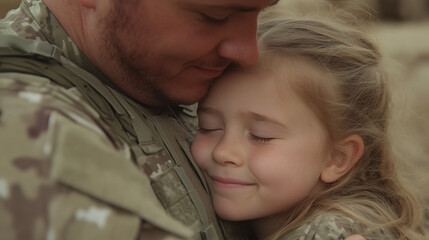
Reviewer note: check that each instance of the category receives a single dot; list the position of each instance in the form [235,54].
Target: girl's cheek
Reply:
[200,150]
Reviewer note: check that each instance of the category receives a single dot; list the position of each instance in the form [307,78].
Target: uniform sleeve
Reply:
[334,227]
[62,176]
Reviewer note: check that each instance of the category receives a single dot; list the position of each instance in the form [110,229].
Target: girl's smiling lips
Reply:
[229,183]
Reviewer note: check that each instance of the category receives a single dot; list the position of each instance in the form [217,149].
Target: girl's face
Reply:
[261,146]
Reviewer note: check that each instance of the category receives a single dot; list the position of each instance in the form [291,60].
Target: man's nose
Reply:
[240,44]
[228,152]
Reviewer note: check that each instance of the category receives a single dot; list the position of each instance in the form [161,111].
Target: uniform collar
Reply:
[34,20]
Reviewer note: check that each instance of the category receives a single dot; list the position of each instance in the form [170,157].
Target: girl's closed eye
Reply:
[208,124]
[260,139]
[265,132]
[207,129]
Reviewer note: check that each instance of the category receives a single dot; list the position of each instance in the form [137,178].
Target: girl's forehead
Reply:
[295,69]
[289,74]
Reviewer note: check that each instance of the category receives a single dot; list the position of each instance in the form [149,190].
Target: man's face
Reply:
[169,51]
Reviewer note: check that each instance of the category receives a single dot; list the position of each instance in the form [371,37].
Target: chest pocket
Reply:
[110,191]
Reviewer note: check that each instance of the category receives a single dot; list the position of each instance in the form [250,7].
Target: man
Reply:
[94,143]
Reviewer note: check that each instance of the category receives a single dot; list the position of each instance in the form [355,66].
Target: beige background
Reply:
[5,5]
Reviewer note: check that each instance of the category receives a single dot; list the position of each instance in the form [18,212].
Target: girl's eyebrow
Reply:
[264,118]
[247,114]
[203,109]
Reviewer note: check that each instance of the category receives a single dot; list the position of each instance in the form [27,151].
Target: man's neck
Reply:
[69,14]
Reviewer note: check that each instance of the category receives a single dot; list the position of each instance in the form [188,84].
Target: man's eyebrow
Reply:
[233,7]
[250,9]
[274,3]
[237,7]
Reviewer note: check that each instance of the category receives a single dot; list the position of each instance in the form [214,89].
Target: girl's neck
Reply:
[266,226]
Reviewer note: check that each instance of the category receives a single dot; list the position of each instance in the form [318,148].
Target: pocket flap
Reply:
[86,161]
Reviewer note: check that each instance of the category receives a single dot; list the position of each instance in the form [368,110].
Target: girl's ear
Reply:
[342,158]
[88,3]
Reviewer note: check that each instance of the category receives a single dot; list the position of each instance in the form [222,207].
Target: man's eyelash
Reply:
[215,20]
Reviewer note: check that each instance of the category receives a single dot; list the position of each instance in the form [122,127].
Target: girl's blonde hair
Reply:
[371,192]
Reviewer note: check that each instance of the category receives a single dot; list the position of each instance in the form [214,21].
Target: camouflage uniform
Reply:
[334,226]
[78,159]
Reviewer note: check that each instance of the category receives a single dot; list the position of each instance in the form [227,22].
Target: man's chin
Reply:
[190,96]
[174,96]
[165,100]
[188,100]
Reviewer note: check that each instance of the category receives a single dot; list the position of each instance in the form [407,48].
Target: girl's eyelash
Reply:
[253,137]
[260,139]
[202,130]
[206,130]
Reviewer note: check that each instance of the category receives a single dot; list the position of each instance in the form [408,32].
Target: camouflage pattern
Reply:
[334,226]
[33,20]
[79,160]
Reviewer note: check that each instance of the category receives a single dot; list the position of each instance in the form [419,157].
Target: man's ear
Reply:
[342,158]
[88,3]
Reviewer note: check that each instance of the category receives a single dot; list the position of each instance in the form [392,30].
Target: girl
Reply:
[297,143]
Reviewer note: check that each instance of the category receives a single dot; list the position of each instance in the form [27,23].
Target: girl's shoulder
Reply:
[334,226]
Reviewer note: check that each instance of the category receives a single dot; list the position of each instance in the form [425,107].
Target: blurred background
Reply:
[5,5]
[401,29]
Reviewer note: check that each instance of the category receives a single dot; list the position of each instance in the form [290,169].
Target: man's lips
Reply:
[211,72]
[229,183]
